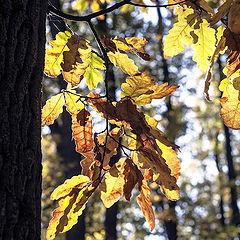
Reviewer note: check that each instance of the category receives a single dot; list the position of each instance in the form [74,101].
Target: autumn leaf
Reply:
[73,103]
[205,45]
[122,61]
[145,203]
[72,196]
[82,135]
[133,45]
[52,108]
[230,111]
[142,89]
[86,164]
[92,75]
[112,188]
[54,54]
[132,176]
[180,33]
[75,61]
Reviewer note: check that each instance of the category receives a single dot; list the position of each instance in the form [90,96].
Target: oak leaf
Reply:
[73,105]
[76,60]
[54,54]
[72,196]
[92,75]
[52,108]
[122,61]
[145,203]
[142,89]
[180,33]
[230,111]
[112,188]
[82,135]
[205,45]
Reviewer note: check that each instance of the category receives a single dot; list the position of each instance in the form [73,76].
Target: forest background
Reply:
[210,164]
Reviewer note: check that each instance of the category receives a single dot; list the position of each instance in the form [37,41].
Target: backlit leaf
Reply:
[92,75]
[180,33]
[112,188]
[205,45]
[145,203]
[142,89]
[82,135]
[54,54]
[122,61]
[73,104]
[75,61]
[52,108]
[72,195]
[230,111]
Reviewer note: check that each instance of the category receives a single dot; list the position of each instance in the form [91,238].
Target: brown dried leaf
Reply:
[145,203]
[83,117]
[82,135]
[108,44]
[132,176]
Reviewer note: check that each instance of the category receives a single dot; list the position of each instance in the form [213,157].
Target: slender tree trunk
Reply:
[231,170]
[22,43]
[171,222]
[65,145]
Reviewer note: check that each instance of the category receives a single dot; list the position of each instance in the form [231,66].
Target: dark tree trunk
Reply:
[65,144]
[22,43]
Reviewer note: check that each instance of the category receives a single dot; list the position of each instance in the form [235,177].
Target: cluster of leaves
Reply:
[196,26]
[149,156]
[152,156]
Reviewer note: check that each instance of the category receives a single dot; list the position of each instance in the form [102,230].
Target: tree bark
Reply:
[22,44]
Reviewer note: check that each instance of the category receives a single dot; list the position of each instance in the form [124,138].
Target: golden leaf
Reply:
[72,195]
[205,45]
[180,33]
[230,111]
[122,61]
[74,106]
[145,203]
[54,54]
[142,89]
[52,108]
[112,188]
[82,135]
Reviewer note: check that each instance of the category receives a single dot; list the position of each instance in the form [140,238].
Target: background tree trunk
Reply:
[22,44]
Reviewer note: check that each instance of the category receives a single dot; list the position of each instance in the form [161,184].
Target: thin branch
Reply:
[156,5]
[86,18]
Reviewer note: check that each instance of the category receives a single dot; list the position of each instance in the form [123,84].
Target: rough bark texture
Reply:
[22,43]
[65,144]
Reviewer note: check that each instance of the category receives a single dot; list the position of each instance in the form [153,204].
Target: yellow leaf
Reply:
[72,195]
[76,60]
[73,104]
[122,61]
[92,75]
[145,203]
[80,5]
[112,187]
[52,108]
[230,111]
[54,54]
[142,89]
[180,33]
[205,45]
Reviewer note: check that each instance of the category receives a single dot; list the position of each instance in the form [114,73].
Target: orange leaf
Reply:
[145,203]
[82,135]
[52,108]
